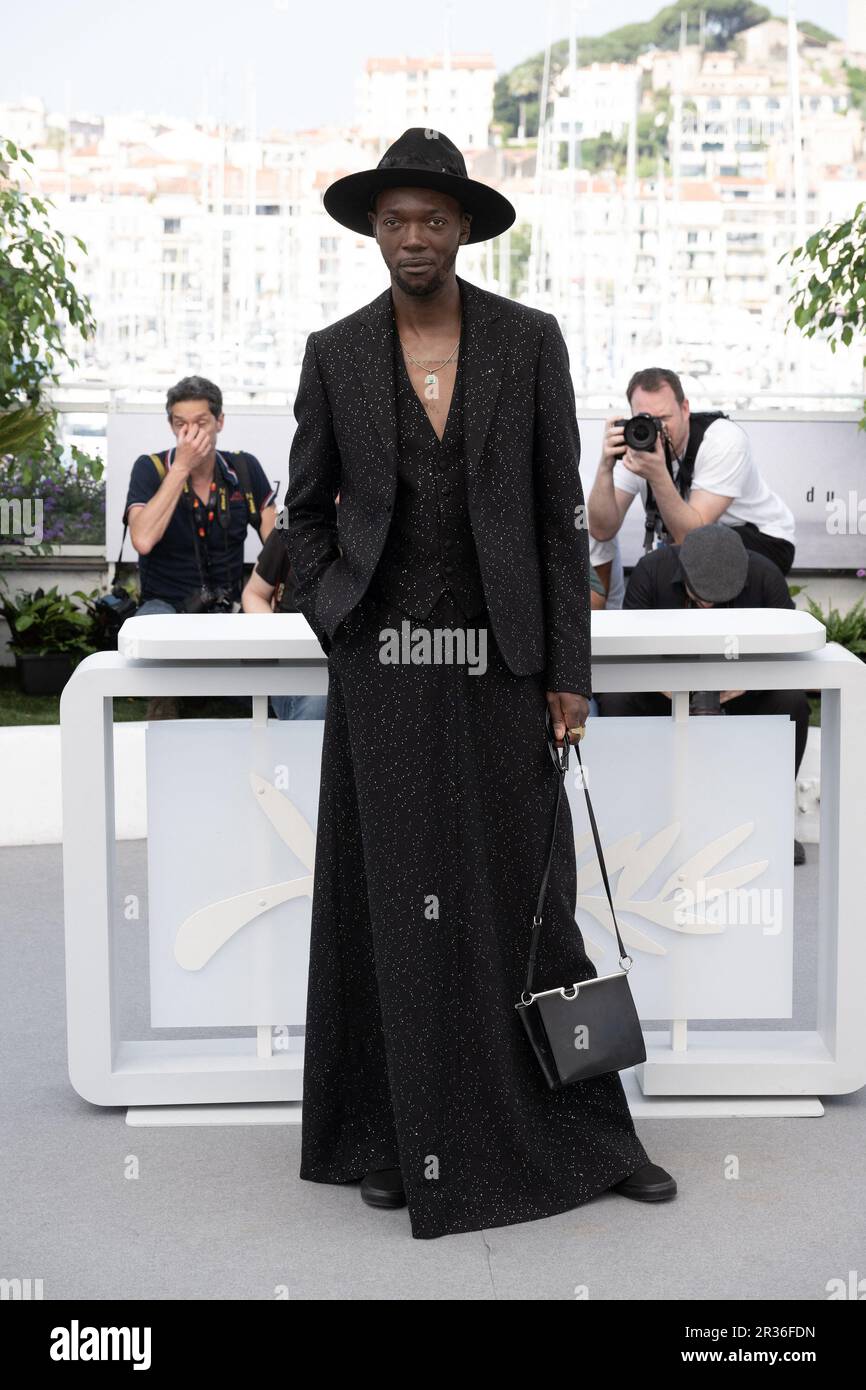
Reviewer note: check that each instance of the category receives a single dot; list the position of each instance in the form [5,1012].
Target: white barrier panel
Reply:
[680,802]
[699,847]
[697,841]
[230,858]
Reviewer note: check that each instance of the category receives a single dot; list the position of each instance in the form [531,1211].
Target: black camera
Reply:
[110,612]
[642,431]
[207,600]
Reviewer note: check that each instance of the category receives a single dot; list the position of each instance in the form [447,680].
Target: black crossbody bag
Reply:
[590,1027]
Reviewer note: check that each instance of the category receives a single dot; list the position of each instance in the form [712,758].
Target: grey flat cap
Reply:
[715,562]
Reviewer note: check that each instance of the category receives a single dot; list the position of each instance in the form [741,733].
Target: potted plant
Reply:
[50,635]
[42,311]
[848,630]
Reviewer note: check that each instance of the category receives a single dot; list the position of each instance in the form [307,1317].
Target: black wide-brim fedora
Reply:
[421,158]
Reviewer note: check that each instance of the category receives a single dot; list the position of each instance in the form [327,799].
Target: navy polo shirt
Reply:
[171,571]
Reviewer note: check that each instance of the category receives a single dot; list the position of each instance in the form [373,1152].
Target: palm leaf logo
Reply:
[636,862]
[201,935]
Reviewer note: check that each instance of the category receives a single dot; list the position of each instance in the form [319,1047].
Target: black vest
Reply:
[429,547]
[699,423]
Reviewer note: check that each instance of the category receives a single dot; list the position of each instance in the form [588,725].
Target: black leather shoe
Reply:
[799,853]
[383,1189]
[649,1184]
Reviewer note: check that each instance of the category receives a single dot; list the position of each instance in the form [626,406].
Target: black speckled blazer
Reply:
[522,455]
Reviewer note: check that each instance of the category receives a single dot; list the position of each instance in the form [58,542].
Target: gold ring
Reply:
[580,730]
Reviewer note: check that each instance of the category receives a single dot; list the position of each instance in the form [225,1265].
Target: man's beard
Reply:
[436,281]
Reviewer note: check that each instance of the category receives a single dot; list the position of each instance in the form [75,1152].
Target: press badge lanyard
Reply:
[195,505]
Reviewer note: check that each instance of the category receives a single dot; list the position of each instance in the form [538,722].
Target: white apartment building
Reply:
[211,252]
[24,122]
[693,280]
[856,45]
[222,267]
[453,94]
[736,116]
[597,98]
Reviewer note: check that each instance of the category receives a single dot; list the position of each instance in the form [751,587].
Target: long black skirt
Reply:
[435,811]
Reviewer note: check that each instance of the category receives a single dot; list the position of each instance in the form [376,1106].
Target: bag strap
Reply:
[243,472]
[560,762]
[161,470]
[120,551]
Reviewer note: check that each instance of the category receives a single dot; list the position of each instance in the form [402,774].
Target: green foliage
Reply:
[48,621]
[815,32]
[856,87]
[724,20]
[605,152]
[849,631]
[518,261]
[35,289]
[37,298]
[24,429]
[830,283]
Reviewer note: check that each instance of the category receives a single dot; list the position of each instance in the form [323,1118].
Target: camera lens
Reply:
[641,432]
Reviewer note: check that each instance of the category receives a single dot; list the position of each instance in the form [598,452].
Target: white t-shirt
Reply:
[724,465]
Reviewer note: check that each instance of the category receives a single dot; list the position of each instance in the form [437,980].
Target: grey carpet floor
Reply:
[99,1210]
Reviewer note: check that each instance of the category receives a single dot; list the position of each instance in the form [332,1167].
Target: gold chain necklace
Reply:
[431,379]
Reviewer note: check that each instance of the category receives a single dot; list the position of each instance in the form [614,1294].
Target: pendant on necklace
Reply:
[431,379]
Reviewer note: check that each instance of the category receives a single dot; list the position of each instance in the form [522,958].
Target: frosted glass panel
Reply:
[232,812]
[697,821]
[700,809]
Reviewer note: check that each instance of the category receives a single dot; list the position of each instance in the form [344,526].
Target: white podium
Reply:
[694,1071]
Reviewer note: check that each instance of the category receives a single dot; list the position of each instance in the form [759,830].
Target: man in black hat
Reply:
[451,596]
[712,568]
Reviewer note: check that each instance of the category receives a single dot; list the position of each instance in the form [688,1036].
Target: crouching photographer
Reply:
[690,468]
[712,569]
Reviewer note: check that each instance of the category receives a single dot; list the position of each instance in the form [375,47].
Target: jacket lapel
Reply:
[483,371]
[372,346]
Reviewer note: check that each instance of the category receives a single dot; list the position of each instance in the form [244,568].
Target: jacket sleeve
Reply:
[314,482]
[561,520]
[640,591]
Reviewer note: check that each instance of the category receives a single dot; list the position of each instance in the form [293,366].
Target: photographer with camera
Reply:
[189,507]
[187,510]
[712,569]
[691,468]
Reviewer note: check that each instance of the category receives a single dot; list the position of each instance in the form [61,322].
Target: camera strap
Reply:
[699,423]
[161,463]
[653,521]
[202,552]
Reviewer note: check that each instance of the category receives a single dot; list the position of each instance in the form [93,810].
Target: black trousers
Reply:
[780,551]
[790,702]
[435,811]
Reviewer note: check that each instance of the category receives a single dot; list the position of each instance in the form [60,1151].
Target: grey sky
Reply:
[161,56]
